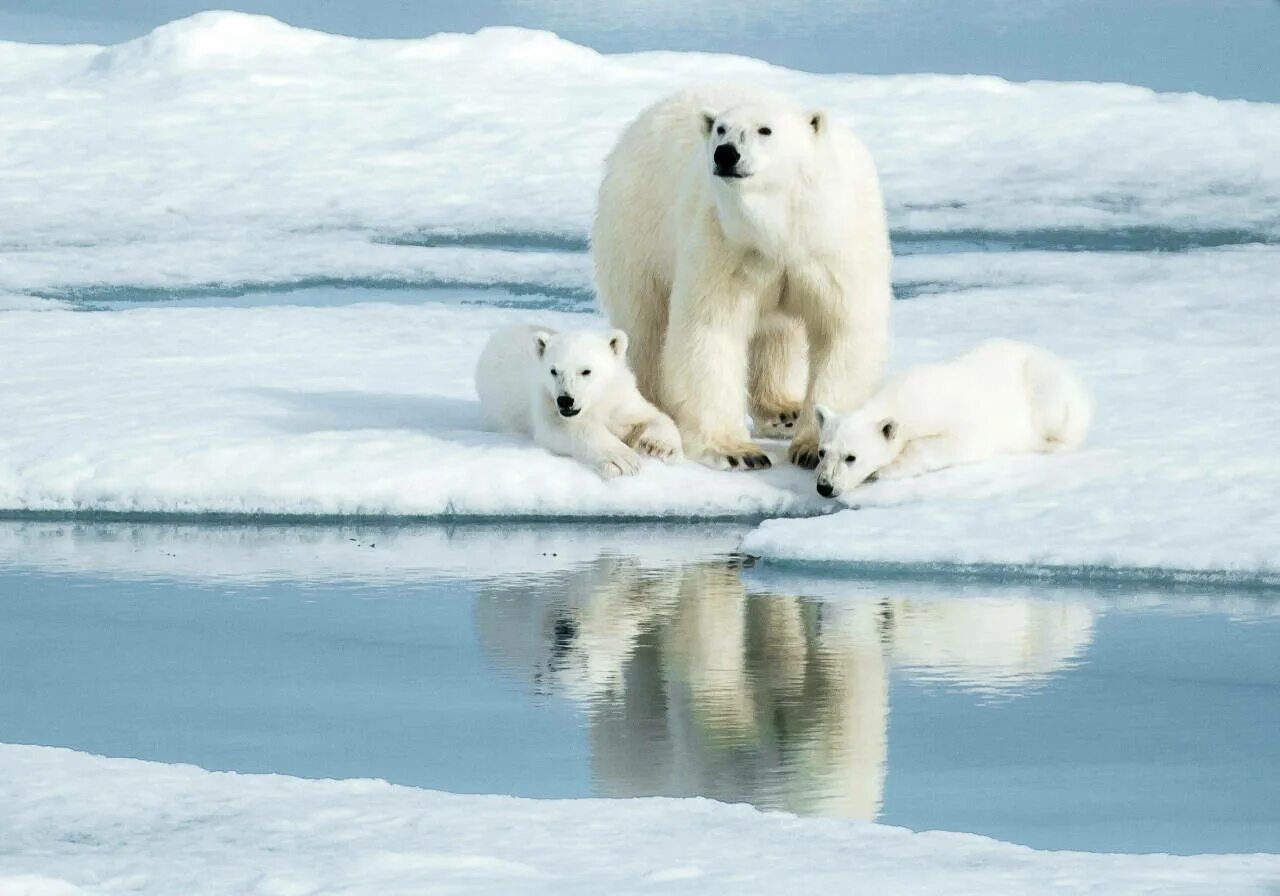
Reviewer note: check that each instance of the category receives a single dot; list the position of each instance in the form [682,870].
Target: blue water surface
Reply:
[476,660]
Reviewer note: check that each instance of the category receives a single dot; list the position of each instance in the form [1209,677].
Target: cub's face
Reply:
[851,448]
[759,144]
[578,369]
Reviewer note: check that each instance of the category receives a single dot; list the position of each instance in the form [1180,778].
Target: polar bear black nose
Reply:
[564,402]
[825,489]
[726,156]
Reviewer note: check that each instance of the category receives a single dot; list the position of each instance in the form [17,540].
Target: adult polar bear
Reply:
[737,235]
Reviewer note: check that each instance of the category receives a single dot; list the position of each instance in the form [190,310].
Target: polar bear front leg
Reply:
[588,442]
[923,455]
[704,371]
[845,362]
[779,376]
[649,431]
[604,452]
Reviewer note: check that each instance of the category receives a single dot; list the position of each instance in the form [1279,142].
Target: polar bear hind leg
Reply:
[635,301]
[1061,405]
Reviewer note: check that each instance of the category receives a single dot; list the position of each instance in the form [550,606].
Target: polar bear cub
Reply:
[1001,397]
[574,394]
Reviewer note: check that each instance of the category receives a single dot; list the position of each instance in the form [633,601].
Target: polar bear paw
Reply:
[804,451]
[776,423]
[744,455]
[659,445]
[618,462]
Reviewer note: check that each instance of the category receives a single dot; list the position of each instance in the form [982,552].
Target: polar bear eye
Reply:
[822,453]
[586,373]
[554,372]
[765,132]
[849,458]
[720,130]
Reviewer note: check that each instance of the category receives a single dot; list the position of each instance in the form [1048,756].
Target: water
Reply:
[331,294]
[1225,49]
[565,661]
[533,294]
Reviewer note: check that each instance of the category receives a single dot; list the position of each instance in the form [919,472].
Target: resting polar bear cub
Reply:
[740,241]
[575,395]
[1002,397]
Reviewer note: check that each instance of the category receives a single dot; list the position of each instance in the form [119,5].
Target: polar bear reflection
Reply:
[692,687]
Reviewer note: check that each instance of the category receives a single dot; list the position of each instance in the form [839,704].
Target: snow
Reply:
[369,410]
[360,410]
[231,152]
[75,823]
[227,127]
[1179,473]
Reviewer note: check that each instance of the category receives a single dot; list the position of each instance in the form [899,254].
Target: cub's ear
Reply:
[540,340]
[618,342]
[823,414]
[708,122]
[818,121]
[889,429]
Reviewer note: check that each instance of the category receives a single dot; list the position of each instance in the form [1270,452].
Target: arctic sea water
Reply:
[653,663]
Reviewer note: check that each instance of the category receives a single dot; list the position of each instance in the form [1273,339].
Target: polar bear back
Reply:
[506,374]
[1010,395]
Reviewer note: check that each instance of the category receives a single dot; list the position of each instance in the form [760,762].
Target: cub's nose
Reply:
[825,489]
[726,156]
[564,402]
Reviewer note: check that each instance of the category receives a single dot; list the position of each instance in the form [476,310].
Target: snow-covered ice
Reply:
[369,410]
[1179,473]
[230,151]
[366,409]
[230,148]
[75,823]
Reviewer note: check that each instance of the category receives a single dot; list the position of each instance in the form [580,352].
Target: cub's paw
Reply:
[804,452]
[618,462]
[659,445]
[776,423]
[740,456]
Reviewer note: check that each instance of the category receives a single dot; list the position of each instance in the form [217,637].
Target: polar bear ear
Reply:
[540,340]
[708,122]
[889,428]
[618,343]
[823,414]
[818,121]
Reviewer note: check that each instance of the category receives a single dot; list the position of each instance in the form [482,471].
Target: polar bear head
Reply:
[761,143]
[580,368]
[852,448]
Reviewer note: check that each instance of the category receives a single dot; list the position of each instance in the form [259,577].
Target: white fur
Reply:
[1001,397]
[524,369]
[775,284]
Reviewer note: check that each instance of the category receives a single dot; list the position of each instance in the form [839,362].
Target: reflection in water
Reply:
[693,687]
[989,644]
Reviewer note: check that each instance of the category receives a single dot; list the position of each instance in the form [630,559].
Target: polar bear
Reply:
[1001,397]
[574,393]
[740,241]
